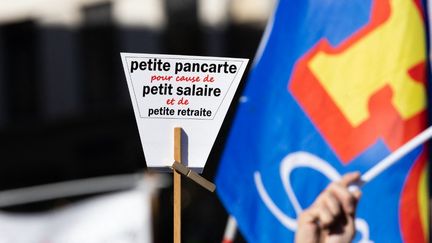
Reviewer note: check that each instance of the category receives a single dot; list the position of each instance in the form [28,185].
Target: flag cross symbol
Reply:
[374,57]
[373,78]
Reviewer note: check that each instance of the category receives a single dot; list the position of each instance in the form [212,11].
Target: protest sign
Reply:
[190,92]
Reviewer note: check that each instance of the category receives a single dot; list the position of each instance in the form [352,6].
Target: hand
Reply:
[331,217]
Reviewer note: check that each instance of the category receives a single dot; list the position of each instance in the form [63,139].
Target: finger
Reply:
[324,216]
[350,178]
[308,216]
[332,204]
[356,194]
[308,230]
[345,198]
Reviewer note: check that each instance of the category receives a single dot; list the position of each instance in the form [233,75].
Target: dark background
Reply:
[65,112]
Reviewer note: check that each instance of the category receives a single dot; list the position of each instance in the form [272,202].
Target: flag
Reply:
[339,86]
[123,217]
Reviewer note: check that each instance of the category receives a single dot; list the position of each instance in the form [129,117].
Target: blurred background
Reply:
[65,113]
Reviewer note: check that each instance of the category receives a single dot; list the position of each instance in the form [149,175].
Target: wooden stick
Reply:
[184,170]
[177,185]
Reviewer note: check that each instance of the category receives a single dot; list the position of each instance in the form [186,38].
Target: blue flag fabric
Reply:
[318,104]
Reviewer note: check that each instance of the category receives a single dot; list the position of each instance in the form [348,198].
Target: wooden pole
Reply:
[177,185]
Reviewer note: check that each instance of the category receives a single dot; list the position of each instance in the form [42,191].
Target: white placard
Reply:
[191,92]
